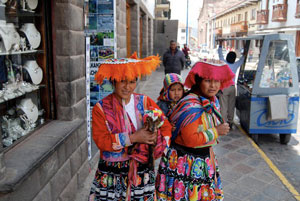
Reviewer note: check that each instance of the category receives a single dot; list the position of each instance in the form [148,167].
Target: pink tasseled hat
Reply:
[214,69]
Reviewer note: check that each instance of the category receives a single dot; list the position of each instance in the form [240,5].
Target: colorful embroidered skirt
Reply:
[188,174]
[110,182]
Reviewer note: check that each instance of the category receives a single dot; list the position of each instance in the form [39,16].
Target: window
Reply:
[277,69]
[182,30]
[25,100]
[253,14]
[239,17]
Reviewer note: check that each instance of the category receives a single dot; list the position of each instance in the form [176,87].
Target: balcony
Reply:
[163,5]
[262,17]
[279,13]
[239,27]
[218,31]
[297,15]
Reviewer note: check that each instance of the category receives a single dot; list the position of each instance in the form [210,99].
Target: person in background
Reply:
[185,51]
[173,59]
[171,93]
[227,95]
[117,126]
[189,169]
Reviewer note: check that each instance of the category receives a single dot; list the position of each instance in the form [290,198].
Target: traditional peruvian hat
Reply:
[170,79]
[126,68]
[211,69]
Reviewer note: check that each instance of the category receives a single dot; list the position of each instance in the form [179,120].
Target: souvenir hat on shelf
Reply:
[29,108]
[126,68]
[32,4]
[35,72]
[211,69]
[32,34]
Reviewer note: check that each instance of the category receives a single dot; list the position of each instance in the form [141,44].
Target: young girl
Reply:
[171,93]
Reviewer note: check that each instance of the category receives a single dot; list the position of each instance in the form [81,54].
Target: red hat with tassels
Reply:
[211,69]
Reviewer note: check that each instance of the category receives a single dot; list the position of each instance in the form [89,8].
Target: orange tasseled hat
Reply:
[126,68]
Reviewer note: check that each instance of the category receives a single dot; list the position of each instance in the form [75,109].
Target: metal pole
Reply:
[187,22]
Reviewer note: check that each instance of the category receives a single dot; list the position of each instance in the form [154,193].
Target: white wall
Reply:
[150,4]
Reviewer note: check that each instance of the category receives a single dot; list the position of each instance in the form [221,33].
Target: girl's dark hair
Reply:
[195,88]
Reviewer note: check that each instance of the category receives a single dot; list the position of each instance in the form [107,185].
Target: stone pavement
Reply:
[244,173]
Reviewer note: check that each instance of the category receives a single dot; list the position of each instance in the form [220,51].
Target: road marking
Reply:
[273,167]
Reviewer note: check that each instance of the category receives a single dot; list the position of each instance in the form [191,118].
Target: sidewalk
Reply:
[244,173]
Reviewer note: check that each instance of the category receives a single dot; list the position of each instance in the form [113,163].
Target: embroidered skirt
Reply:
[111,179]
[188,174]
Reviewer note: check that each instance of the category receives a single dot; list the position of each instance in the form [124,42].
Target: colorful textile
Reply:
[155,115]
[216,70]
[191,108]
[119,128]
[126,68]
[110,182]
[170,79]
[111,129]
[188,176]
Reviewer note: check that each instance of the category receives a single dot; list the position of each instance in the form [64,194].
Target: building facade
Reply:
[280,17]
[237,21]
[206,24]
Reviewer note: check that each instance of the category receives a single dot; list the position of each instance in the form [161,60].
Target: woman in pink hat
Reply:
[189,170]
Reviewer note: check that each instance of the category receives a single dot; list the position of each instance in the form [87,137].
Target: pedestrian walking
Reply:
[227,95]
[173,59]
[189,169]
[171,92]
[186,51]
[117,125]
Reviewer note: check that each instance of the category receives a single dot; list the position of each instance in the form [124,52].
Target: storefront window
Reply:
[24,74]
[277,71]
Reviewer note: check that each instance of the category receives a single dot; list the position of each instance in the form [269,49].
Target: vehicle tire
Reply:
[285,138]
[255,138]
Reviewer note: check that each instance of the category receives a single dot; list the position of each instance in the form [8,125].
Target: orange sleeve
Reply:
[166,128]
[196,135]
[105,140]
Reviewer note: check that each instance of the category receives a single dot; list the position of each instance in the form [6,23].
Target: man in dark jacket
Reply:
[173,59]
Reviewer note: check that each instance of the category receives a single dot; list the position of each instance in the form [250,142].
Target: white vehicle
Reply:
[203,54]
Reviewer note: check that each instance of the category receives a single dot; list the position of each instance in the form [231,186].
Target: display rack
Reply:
[17,87]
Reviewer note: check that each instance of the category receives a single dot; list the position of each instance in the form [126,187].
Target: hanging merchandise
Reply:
[5,39]
[2,2]
[29,109]
[35,72]
[10,37]
[3,71]
[11,7]
[32,34]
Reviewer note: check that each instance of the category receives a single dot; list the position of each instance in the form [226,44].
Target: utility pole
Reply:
[187,22]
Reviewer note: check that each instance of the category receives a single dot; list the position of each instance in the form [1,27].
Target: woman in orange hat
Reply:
[117,126]
[189,170]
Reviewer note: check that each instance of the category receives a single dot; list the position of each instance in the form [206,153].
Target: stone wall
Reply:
[164,32]
[121,28]
[69,61]
[137,11]
[51,164]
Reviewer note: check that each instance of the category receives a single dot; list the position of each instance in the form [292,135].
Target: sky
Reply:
[179,8]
